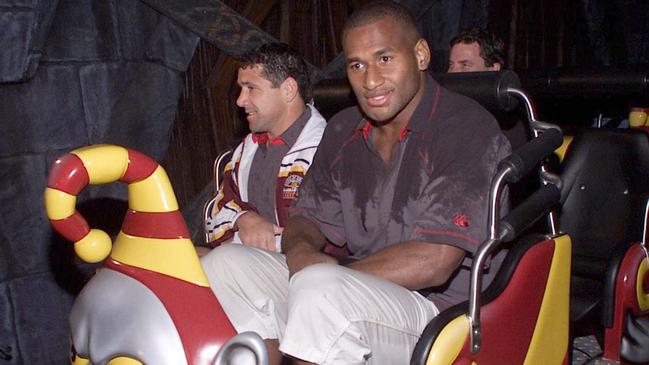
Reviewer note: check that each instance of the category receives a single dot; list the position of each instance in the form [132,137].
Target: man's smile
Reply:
[378,99]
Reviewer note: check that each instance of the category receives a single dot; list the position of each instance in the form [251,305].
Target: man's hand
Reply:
[303,255]
[256,231]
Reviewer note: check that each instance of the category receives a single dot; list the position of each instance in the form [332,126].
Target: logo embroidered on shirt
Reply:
[461,220]
[291,184]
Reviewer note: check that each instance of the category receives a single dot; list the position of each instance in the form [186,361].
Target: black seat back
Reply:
[487,88]
[605,185]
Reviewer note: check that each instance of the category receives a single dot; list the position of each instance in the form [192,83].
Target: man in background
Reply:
[475,50]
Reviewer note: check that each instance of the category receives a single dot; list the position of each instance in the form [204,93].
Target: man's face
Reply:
[263,103]
[466,58]
[384,67]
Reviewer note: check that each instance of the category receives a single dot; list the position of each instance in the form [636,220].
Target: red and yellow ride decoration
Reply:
[525,323]
[631,299]
[153,246]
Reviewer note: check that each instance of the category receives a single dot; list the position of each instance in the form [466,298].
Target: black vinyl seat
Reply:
[605,178]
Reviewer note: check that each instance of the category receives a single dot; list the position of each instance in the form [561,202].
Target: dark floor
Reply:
[586,351]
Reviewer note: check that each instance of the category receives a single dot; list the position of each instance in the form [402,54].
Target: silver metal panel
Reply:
[116,315]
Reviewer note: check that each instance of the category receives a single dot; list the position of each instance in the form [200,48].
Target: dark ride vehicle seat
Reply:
[522,317]
[605,177]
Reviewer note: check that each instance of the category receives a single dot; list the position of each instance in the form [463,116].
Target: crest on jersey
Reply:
[291,184]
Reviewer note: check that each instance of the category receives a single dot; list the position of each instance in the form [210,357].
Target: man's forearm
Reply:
[414,265]
[300,231]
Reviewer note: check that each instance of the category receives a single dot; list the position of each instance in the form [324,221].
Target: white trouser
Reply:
[326,314]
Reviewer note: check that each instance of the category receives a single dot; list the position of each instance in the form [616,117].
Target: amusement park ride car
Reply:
[151,303]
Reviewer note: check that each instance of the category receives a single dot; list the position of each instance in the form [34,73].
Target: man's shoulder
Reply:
[457,111]
[345,121]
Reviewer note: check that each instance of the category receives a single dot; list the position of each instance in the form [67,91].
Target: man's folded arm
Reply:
[413,264]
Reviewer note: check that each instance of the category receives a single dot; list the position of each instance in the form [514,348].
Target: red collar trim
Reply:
[365,130]
[262,138]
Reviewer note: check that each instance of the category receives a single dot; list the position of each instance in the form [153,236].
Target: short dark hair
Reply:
[375,10]
[279,62]
[491,47]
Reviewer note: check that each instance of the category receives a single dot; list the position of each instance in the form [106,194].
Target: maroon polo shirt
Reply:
[435,188]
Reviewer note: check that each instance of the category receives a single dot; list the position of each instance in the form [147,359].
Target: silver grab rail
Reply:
[511,169]
[248,340]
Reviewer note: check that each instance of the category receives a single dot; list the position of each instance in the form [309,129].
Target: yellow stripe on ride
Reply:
[561,151]
[153,194]
[104,163]
[551,330]
[643,297]
[59,204]
[449,342]
[122,360]
[174,257]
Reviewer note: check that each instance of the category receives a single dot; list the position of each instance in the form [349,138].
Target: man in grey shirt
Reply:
[403,181]
[261,180]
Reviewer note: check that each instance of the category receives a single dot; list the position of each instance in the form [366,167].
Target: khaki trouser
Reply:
[326,314]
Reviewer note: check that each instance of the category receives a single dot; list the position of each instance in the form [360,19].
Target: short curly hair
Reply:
[376,10]
[279,62]
[491,47]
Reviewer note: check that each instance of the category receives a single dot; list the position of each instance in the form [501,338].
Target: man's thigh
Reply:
[339,315]
[251,285]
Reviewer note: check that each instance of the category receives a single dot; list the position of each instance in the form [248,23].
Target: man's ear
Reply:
[422,52]
[290,89]
[496,67]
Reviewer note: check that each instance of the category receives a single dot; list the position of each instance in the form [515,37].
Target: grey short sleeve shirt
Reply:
[435,190]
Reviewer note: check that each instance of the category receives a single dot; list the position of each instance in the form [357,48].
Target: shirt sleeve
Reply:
[225,209]
[455,202]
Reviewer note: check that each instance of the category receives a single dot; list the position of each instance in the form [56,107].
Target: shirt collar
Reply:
[289,136]
[366,127]
[421,115]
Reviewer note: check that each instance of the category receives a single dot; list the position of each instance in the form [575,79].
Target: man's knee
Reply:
[225,258]
[319,283]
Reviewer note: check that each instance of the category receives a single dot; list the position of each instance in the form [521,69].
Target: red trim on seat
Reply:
[197,314]
[508,322]
[625,300]
[165,225]
[68,174]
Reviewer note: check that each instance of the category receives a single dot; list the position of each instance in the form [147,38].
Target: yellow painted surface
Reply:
[59,204]
[449,342]
[79,361]
[550,339]
[94,247]
[153,194]
[104,163]
[561,151]
[643,298]
[122,360]
[173,257]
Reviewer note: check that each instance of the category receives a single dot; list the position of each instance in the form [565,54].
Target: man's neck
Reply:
[386,137]
[392,130]
[287,120]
